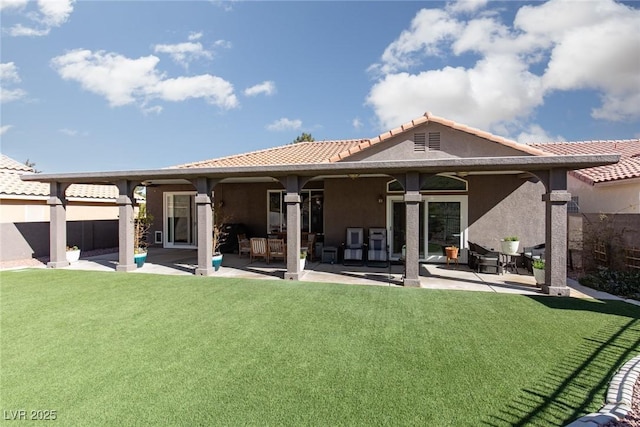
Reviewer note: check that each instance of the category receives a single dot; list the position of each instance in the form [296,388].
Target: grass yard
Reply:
[140,349]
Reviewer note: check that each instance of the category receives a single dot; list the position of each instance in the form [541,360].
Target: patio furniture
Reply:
[329,255]
[378,248]
[483,260]
[530,253]
[354,246]
[244,245]
[309,242]
[508,261]
[259,249]
[277,249]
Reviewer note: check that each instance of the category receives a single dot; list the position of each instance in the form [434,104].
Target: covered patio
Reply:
[431,276]
[410,174]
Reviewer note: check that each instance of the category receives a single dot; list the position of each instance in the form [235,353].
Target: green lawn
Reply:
[140,349]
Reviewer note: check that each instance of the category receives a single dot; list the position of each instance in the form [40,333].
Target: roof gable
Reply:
[9,164]
[627,168]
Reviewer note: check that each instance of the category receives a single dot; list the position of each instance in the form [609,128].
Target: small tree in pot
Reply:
[219,236]
[141,225]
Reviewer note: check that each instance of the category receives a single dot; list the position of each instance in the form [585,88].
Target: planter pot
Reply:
[302,263]
[510,247]
[73,256]
[538,273]
[216,261]
[452,253]
[139,259]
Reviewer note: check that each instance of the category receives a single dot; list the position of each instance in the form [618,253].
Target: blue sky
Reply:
[116,85]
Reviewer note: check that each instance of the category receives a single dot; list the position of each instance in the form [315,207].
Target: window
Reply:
[574,205]
[434,183]
[311,211]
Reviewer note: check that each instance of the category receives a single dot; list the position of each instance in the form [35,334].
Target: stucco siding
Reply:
[38,210]
[505,205]
[611,198]
[453,143]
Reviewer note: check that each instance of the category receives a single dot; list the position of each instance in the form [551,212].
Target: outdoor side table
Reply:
[508,261]
[329,254]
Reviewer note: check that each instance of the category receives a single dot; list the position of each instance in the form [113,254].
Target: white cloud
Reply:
[195,36]
[13,4]
[356,123]
[285,124]
[8,77]
[4,129]
[225,44]
[535,133]
[266,88]
[584,45]
[50,14]
[72,132]
[466,6]
[184,53]
[124,81]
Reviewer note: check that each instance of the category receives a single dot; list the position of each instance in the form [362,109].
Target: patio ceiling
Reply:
[514,164]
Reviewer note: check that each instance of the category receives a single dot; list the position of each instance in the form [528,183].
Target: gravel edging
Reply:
[619,397]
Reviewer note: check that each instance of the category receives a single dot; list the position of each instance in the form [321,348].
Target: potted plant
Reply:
[510,245]
[451,251]
[73,254]
[219,236]
[538,271]
[141,225]
[303,258]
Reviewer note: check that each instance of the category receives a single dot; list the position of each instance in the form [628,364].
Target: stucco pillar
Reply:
[57,225]
[556,200]
[556,243]
[292,199]
[125,226]
[412,200]
[204,187]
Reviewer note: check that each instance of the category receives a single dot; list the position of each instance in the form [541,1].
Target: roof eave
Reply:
[523,163]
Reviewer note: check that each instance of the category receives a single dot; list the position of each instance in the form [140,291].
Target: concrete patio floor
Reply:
[432,276]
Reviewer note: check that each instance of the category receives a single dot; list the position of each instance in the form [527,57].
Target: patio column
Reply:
[204,187]
[125,225]
[57,225]
[292,200]
[412,200]
[556,200]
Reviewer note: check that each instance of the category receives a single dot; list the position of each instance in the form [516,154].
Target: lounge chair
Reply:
[354,246]
[378,248]
[483,260]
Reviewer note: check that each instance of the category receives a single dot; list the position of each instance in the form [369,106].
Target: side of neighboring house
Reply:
[24,214]
[605,199]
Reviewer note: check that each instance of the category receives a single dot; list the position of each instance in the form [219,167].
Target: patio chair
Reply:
[354,246]
[378,249]
[259,249]
[310,244]
[483,260]
[244,245]
[277,249]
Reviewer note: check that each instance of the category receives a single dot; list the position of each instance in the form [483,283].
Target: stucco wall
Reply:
[453,143]
[505,205]
[31,239]
[12,210]
[615,198]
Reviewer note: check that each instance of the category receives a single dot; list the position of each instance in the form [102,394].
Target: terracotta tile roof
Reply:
[12,185]
[341,150]
[7,163]
[428,117]
[300,153]
[628,166]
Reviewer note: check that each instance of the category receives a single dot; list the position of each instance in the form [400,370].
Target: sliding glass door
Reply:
[180,220]
[442,223]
